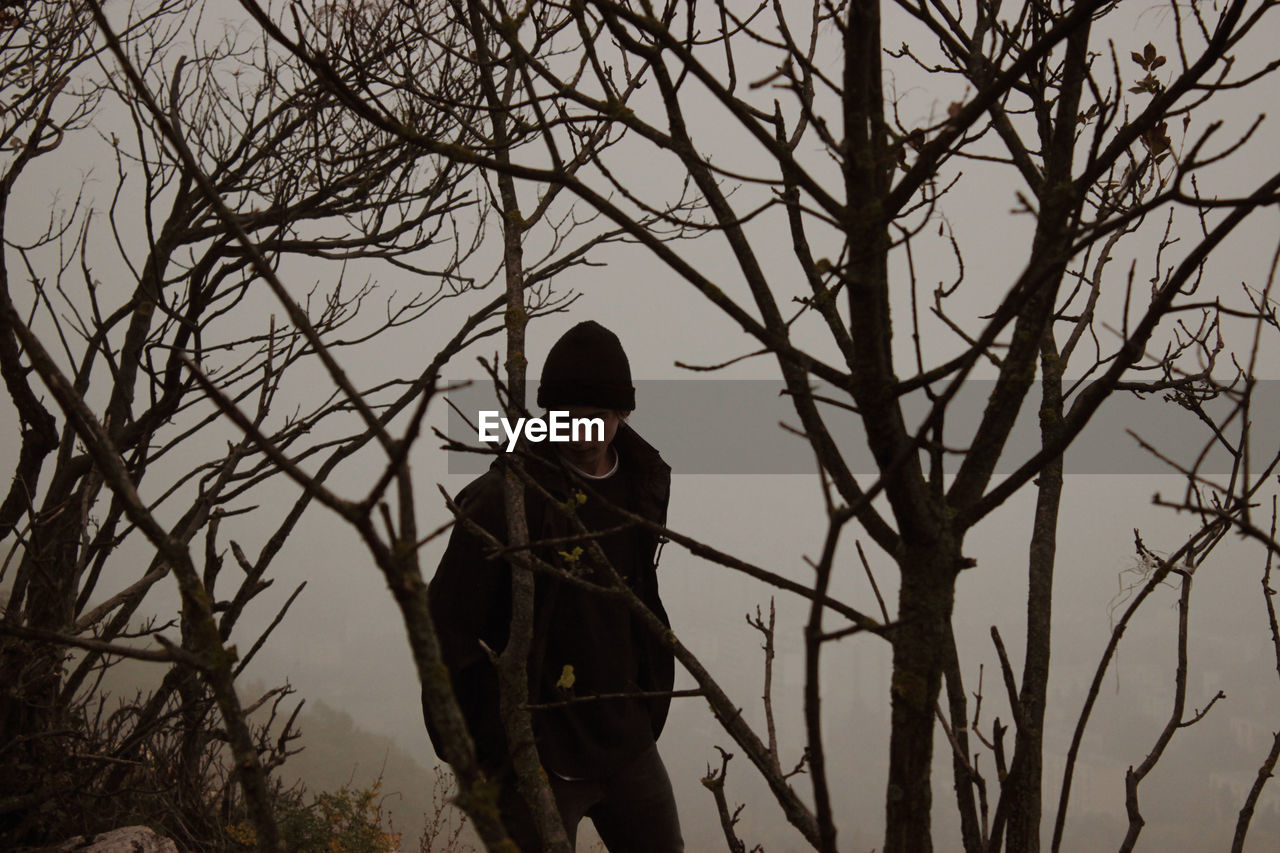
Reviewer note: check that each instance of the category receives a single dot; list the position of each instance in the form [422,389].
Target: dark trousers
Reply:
[633,809]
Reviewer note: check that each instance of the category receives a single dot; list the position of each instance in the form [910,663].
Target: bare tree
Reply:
[246,165]
[231,168]
[508,120]
[1110,151]
[140,312]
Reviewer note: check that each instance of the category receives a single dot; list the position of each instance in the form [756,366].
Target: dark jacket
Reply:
[609,650]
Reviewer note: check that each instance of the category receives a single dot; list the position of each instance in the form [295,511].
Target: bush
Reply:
[342,821]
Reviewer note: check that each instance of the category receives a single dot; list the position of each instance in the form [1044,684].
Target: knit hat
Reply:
[587,367]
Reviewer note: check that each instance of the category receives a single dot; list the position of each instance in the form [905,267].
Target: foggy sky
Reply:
[343,642]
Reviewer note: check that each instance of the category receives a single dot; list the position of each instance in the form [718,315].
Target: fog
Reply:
[342,645]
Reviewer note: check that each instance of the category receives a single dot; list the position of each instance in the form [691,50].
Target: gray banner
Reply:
[734,426]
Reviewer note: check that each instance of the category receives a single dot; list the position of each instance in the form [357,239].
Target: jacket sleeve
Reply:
[470,599]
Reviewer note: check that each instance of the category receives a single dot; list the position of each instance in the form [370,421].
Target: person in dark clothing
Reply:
[601,756]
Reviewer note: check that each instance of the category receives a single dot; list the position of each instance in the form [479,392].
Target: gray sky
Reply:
[343,641]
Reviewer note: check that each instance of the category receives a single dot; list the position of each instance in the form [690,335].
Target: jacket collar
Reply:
[652,472]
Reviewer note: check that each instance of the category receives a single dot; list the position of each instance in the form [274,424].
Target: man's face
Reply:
[582,451]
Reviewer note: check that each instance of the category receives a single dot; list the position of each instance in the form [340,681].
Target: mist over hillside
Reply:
[344,646]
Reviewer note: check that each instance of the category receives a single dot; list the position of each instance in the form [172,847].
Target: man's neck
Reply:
[601,465]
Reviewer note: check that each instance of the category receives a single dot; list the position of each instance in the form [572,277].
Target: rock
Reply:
[128,839]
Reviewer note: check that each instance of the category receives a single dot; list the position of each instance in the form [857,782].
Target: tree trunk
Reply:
[46,592]
[1024,786]
[925,600]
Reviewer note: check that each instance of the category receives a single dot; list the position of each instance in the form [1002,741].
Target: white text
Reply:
[557,426]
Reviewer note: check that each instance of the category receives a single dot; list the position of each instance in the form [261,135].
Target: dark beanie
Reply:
[587,367]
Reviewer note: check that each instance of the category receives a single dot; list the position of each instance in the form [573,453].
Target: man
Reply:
[600,755]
